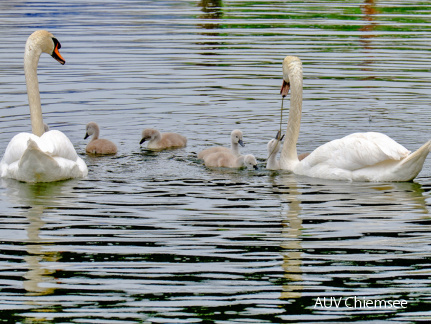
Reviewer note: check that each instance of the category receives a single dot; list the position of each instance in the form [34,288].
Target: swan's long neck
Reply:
[31,60]
[289,155]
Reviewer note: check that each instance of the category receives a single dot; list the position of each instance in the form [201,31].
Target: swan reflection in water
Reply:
[39,278]
[345,213]
[42,254]
[291,232]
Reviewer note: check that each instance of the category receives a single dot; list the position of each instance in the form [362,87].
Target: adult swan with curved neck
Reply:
[41,156]
[357,157]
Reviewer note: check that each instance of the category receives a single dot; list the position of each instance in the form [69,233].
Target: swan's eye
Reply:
[56,43]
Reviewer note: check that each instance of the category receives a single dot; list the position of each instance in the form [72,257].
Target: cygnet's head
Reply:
[91,129]
[250,162]
[274,145]
[149,134]
[236,137]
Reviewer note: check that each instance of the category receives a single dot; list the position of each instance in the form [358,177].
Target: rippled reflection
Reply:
[212,9]
[369,10]
[38,276]
[291,231]
[41,255]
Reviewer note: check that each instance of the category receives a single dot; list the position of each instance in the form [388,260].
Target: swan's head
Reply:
[292,67]
[91,129]
[236,137]
[149,134]
[250,162]
[42,41]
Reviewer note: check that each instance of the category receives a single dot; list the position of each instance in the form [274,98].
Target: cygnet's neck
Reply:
[95,134]
[272,162]
[234,147]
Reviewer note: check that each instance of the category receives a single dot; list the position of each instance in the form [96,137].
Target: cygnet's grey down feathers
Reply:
[98,145]
[162,141]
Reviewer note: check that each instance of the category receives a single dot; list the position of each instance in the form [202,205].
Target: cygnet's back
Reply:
[225,159]
[162,141]
[236,140]
[98,145]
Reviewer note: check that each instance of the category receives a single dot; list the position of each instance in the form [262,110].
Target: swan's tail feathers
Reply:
[412,164]
[35,165]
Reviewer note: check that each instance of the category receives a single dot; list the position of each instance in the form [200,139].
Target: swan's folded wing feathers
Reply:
[16,147]
[57,144]
[361,150]
[357,151]
[50,157]
[383,143]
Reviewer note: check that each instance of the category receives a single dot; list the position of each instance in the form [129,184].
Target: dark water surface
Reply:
[159,238]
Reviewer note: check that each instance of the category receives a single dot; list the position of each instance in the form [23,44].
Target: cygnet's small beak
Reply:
[86,135]
[240,142]
[255,167]
[277,137]
[142,141]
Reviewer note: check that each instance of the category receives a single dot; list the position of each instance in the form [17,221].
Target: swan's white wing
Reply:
[356,151]
[57,144]
[50,157]
[16,148]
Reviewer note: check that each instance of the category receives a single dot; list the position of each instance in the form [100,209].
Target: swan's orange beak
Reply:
[285,88]
[56,53]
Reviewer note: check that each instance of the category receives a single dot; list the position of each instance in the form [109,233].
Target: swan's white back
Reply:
[48,158]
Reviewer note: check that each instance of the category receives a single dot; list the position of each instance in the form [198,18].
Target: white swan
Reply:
[236,140]
[224,159]
[162,141]
[41,156]
[357,157]
[98,145]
